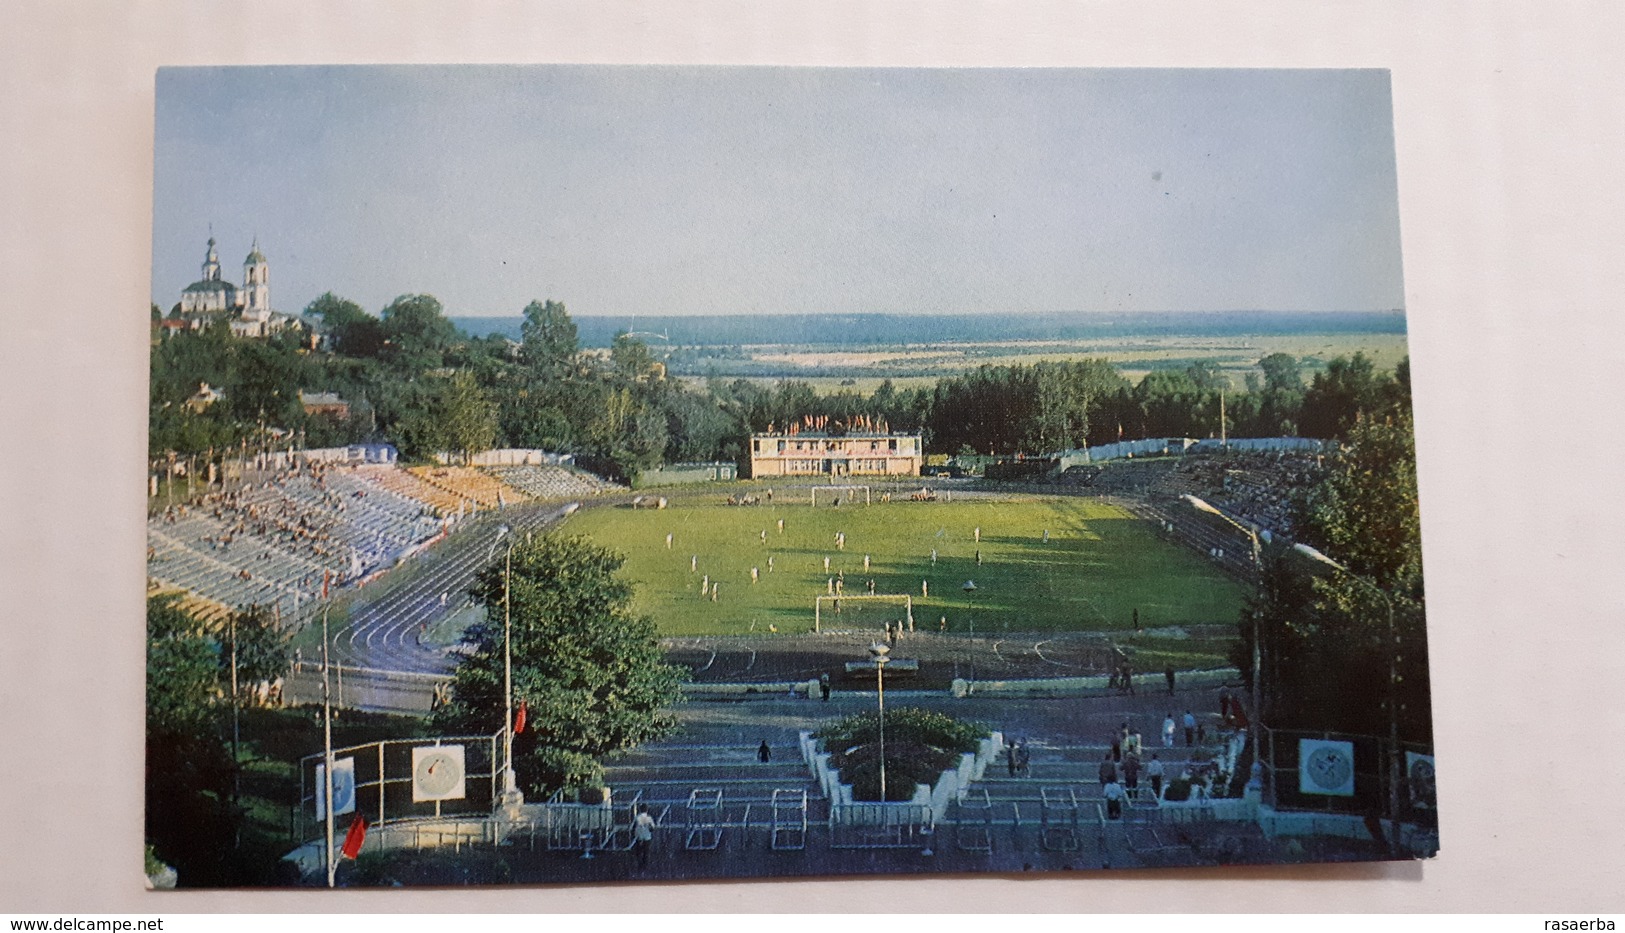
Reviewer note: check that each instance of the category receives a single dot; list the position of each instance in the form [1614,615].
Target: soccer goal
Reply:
[851,608]
[839,494]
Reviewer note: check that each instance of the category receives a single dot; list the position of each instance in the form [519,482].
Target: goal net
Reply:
[835,495]
[863,611]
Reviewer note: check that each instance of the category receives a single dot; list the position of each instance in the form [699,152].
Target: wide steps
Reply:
[788,773]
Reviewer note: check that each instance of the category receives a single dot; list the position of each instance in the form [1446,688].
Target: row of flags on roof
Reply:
[822,423]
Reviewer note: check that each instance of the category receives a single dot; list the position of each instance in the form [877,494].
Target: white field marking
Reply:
[709,661]
[1038,649]
[752,659]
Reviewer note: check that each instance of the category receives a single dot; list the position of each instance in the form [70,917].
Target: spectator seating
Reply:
[552,482]
[471,488]
[279,541]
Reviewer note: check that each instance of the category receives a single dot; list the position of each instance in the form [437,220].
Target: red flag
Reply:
[519,718]
[355,837]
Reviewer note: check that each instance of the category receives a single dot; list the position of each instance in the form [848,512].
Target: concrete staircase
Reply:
[716,785]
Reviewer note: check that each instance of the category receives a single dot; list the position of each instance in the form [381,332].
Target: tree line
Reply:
[412,379]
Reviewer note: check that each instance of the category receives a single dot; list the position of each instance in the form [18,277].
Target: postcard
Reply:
[624,474]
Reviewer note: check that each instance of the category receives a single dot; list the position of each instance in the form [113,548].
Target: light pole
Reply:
[327,752]
[970,591]
[511,796]
[1258,651]
[1393,685]
[880,653]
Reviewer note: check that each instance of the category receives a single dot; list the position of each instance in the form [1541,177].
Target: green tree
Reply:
[1281,372]
[261,645]
[1328,645]
[467,418]
[631,358]
[550,340]
[417,333]
[589,669]
[1349,389]
[188,772]
[351,330]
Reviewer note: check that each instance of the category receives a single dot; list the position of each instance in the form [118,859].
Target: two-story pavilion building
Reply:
[856,453]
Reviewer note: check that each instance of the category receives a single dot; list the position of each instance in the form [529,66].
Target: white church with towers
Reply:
[247,307]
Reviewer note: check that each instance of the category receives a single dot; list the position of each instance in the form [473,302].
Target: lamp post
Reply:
[970,591]
[1258,651]
[880,653]
[1393,684]
[327,754]
[511,796]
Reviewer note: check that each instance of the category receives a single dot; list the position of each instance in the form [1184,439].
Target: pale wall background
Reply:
[1509,132]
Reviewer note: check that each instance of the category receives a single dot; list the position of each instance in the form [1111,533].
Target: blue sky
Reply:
[626,190]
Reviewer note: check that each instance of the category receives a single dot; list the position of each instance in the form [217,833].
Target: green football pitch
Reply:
[1098,567]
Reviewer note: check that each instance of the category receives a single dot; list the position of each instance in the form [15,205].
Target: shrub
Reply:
[920,744]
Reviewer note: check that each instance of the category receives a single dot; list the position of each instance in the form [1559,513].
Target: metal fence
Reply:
[881,826]
[383,782]
[1372,771]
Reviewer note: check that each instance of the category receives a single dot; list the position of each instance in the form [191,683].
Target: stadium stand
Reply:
[278,541]
[552,482]
[409,486]
[469,485]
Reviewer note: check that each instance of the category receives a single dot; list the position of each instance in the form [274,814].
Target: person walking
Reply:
[1131,774]
[1168,674]
[1114,795]
[1190,729]
[1168,729]
[823,686]
[1153,773]
[1108,770]
[643,835]
[763,753]
[1012,755]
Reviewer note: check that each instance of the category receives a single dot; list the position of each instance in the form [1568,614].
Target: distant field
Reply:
[831,370]
[1098,567]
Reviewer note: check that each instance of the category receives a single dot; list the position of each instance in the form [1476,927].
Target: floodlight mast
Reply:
[1258,652]
[1393,684]
[511,796]
[880,653]
[327,751]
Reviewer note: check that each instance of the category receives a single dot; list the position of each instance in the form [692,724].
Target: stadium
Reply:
[1067,605]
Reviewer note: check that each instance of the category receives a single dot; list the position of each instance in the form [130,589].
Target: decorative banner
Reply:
[355,838]
[343,788]
[1326,767]
[437,773]
[1419,778]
